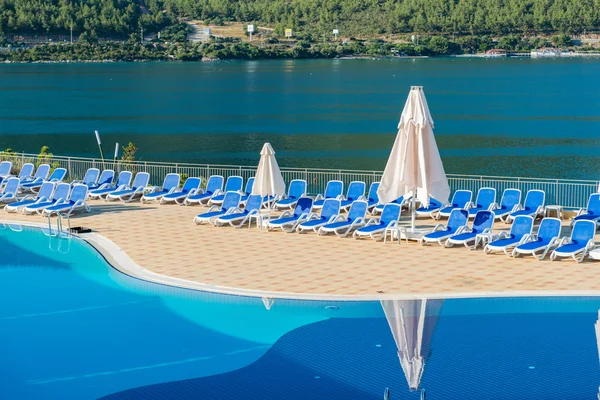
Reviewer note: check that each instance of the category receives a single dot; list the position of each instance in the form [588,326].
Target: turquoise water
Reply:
[520,117]
[71,327]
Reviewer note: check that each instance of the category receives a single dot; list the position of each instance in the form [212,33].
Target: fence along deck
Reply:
[565,192]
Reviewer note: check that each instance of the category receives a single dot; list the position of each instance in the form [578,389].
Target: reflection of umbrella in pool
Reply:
[412,323]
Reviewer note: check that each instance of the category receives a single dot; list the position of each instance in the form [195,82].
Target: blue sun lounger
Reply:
[170,185]
[26,172]
[40,176]
[248,190]
[372,197]
[333,190]
[9,193]
[485,201]
[461,199]
[233,184]
[44,195]
[296,190]
[579,243]
[533,206]
[457,222]
[378,228]
[431,210]
[214,185]
[591,212]
[341,225]
[190,188]
[105,180]
[539,244]
[238,217]
[89,179]
[5,168]
[401,201]
[61,193]
[483,223]
[511,198]
[329,212]
[136,191]
[231,203]
[123,182]
[75,202]
[288,221]
[520,232]
[57,176]
[356,191]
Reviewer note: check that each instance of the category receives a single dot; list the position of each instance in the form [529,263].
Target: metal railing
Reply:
[565,192]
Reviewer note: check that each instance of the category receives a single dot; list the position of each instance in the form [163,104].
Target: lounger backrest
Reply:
[510,198]
[249,186]
[549,228]
[593,206]
[215,182]
[58,175]
[433,203]
[141,180]
[399,200]
[91,176]
[254,202]
[231,200]
[5,167]
[297,188]
[234,184]
[483,220]
[42,171]
[191,184]
[62,191]
[79,192]
[356,189]
[390,213]
[522,225]
[46,190]
[485,197]
[358,209]
[373,197]
[334,189]
[12,185]
[458,217]
[106,176]
[124,178]
[171,181]
[461,198]
[583,231]
[26,170]
[330,208]
[534,199]
[303,206]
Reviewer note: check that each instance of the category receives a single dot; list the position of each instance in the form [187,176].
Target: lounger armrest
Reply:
[555,242]
[77,181]
[487,230]
[217,193]
[540,210]
[79,203]
[526,238]
[590,244]
[194,191]
[359,221]
[470,204]
[393,224]
[362,198]
[313,216]
[319,197]
[214,208]
[340,197]
[517,207]
[493,206]
[333,218]
[173,190]
[372,221]
[286,214]
[438,227]
[59,202]
[235,209]
[581,212]
[338,218]
[200,191]
[303,216]
[28,197]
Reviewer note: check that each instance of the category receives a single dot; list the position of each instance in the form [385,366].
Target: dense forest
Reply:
[120,18]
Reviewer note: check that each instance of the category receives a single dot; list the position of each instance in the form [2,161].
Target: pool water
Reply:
[71,326]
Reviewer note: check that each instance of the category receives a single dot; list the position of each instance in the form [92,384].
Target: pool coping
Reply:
[118,259]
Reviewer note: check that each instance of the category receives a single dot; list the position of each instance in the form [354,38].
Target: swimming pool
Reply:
[71,326]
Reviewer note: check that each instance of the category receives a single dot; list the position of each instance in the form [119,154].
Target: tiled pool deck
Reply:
[164,240]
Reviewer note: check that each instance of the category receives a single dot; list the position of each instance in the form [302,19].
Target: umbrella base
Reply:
[412,234]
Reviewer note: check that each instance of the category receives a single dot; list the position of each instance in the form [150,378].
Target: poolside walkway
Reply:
[164,239]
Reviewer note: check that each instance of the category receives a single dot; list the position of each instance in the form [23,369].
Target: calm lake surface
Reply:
[518,117]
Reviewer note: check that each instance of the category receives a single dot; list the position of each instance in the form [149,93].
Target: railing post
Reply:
[69,167]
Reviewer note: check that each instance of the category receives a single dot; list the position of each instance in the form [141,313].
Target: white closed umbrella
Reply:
[268,180]
[414,165]
[597,327]
[412,323]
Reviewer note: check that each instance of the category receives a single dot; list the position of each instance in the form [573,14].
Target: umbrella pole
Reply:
[414,210]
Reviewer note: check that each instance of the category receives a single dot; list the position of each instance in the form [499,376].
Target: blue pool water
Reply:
[73,327]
